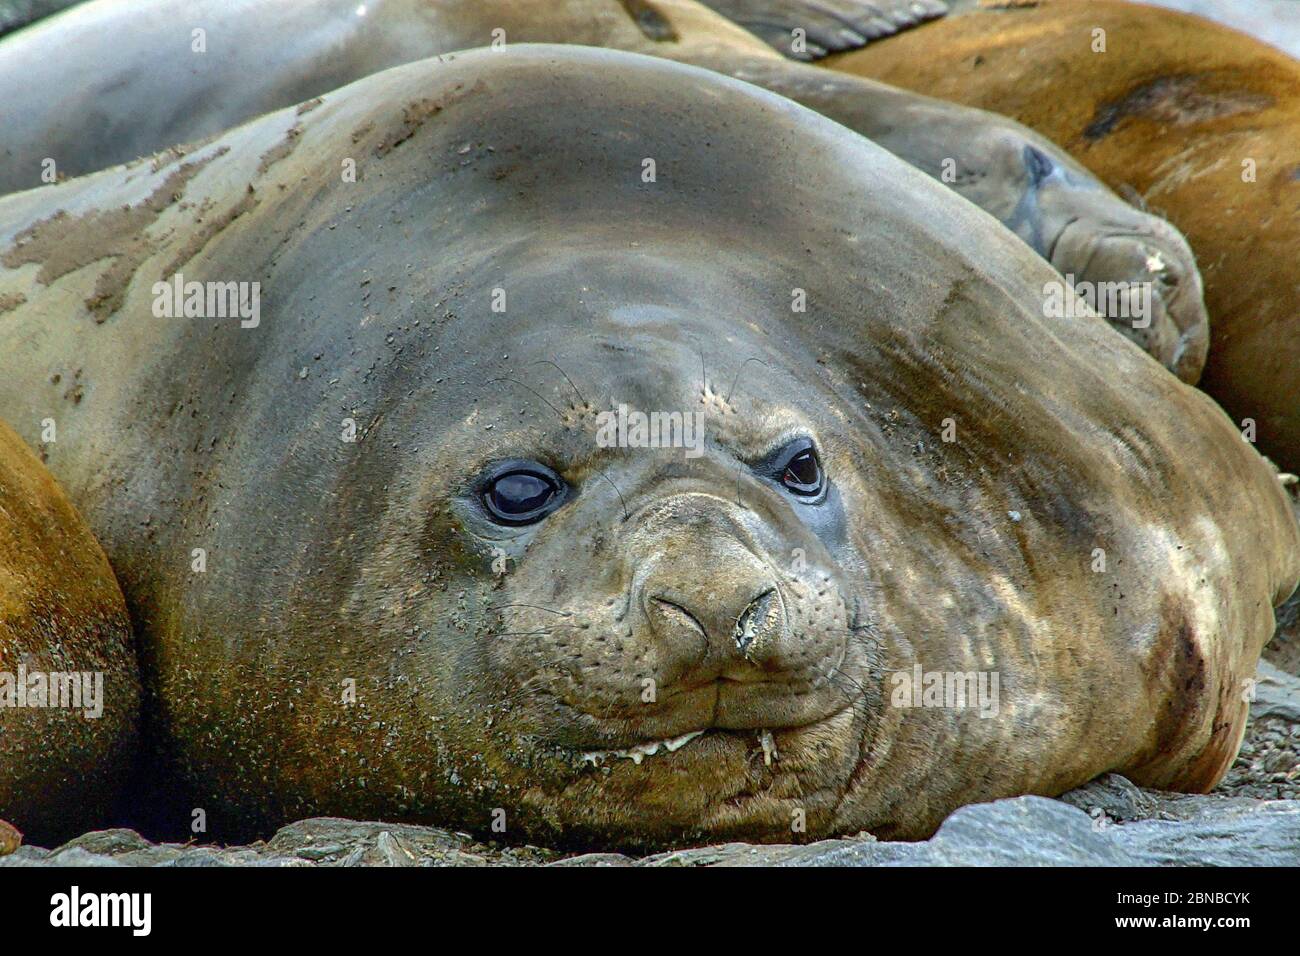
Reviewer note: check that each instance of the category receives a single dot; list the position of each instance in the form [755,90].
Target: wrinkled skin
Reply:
[759,615]
[144,89]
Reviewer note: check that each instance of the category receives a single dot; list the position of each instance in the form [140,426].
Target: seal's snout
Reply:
[1141,276]
[710,599]
[721,618]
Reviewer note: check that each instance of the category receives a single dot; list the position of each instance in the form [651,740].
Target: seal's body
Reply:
[1276,22]
[1200,120]
[155,73]
[69,685]
[387,561]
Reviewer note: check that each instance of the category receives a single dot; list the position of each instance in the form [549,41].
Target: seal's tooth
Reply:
[679,742]
[639,752]
[768,744]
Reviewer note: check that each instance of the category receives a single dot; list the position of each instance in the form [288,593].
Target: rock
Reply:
[1283,651]
[595,859]
[1118,797]
[1268,766]
[1025,831]
[330,841]
[1109,822]
[108,842]
[1277,694]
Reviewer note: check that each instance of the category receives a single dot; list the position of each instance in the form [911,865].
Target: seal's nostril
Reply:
[751,621]
[676,610]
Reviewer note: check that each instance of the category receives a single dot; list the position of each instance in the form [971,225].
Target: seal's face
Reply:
[671,614]
[1159,302]
[1132,268]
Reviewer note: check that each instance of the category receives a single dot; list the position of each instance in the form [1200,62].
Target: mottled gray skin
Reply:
[372,561]
[138,87]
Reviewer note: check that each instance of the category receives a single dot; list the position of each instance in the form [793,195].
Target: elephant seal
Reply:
[424,527]
[1201,121]
[69,685]
[129,57]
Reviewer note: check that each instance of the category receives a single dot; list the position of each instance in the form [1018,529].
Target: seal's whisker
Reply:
[857,685]
[535,607]
[602,474]
[741,369]
[533,390]
[566,377]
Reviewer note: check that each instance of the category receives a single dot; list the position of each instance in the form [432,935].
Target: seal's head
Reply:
[1142,276]
[671,617]
[1138,271]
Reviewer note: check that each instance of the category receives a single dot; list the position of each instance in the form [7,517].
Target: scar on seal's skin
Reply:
[62,243]
[1181,100]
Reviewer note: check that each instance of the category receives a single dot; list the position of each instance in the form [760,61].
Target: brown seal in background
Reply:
[1201,121]
[61,612]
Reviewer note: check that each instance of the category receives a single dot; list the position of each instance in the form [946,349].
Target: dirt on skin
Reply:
[203,232]
[414,115]
[284,148]
[64,243]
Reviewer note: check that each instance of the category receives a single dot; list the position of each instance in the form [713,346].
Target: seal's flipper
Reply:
[811,29]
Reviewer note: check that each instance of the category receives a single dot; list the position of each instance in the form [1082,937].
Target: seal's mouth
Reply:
[637,753]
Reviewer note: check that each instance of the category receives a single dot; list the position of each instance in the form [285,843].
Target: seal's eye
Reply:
[803,473]
[522,494]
